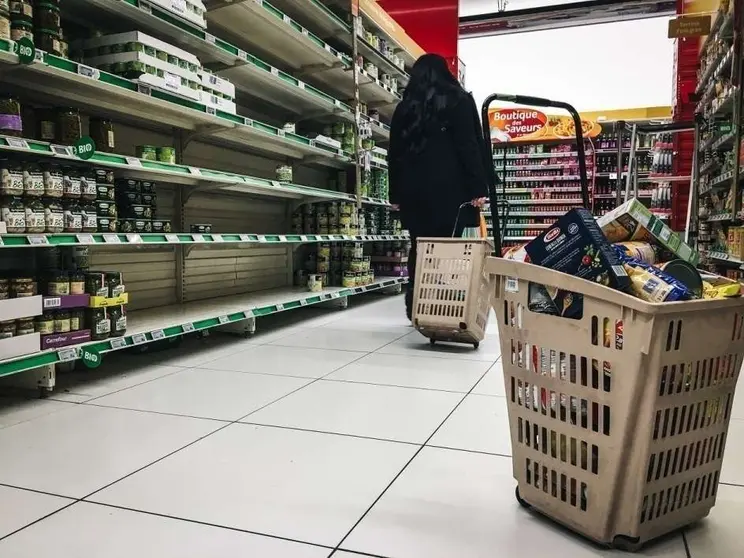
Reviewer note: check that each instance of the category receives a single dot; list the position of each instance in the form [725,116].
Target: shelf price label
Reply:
[145,7]
[118,343]
[248,314]
[133,162]
[211,110]
[134,238]
[172,238]
[52,302]
[188,328]
[279,307]
[139,338]
[245,238]
[158,334]
[218,238]
[85,238]
[37,239]
[303,302]
[66,355]
[144,89]
[274,71]
[195,171]
[198,237]
[111,239]
[211,40]
[17,143]
[87,71]
[172,81]
[223,319]
[179,5]
[61,150]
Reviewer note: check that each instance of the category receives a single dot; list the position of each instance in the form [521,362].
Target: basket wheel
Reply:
[627,544]
[522,503]
[476,345]
[432,341]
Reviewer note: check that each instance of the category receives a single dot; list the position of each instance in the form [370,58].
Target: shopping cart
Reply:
[618,419]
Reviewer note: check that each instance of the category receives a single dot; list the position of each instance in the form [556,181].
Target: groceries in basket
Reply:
[634,221]
[650,283]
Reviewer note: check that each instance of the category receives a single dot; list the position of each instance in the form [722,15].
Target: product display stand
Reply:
[237,168]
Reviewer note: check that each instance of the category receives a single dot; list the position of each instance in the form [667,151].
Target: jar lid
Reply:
[54,33]
[47,6]
[17,22]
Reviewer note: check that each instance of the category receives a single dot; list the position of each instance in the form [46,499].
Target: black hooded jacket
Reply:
[453,168]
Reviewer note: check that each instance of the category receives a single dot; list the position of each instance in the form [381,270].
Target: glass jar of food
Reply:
[62,321]
[46,125]
[95,284]
[33,180]
[25,326]
[11,178]
[98,323]
[54,216]
[69,129]
[21,10]
[71,183]
[44,324]
[58,283]
[104,176]
[284,173]
[90,217]
[4,289]
[46,16]
[4,25]
[147,152]
[88,185]
[21,287]
[167,155]
[48,40]
[77,282]
[77,319]
[105,208]
[54,183]
[102,133]
[13,214]
[35,216]
[7,329]
[73,216]
[10,116]
[115,283]
[118,319]
[20,29]
[108,225]
[105,191]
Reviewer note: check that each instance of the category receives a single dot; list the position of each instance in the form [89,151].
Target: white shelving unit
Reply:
[290,61]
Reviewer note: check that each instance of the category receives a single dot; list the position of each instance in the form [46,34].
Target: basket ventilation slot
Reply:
[568,449]
[665,464]
[558,485]
[678,497]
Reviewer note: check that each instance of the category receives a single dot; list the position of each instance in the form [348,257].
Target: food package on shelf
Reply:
[193,11]
[218,86]
[633,221]
[219,103]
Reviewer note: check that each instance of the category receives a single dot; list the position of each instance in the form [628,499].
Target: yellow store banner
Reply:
[526,124]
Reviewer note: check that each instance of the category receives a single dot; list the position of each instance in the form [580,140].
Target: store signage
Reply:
[25,50]
[527,124]
[91,357]
[689,26]
[85,147]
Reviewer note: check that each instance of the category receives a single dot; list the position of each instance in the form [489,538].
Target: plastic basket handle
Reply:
[538,102]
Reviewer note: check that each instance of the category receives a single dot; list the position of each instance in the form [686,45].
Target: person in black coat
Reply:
[437,159]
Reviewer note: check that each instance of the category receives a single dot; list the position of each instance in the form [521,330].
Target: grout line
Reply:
[162,413]
[38,520]
[405,466]
[356,553]
[329,433]
[135,385]
[731,484]
[478,452]
[25,489]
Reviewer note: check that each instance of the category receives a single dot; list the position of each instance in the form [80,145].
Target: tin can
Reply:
[315,283]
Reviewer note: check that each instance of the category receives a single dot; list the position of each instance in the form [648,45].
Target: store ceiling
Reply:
[482,18]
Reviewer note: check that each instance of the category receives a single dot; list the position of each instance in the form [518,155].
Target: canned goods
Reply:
[315,283]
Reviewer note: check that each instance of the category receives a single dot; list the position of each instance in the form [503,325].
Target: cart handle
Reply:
[538,102]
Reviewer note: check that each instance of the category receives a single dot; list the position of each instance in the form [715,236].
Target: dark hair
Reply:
[430,91]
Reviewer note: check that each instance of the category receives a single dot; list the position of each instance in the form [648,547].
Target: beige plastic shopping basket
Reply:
[619,419]
[452,293]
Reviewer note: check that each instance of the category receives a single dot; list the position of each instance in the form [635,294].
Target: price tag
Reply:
[52,302]
[224,319]
[280,133]
[245,238]
[111,239]
[242,54]
[87,71]
[145,7]
[214,100]
[172,238]
[303,302]
[179,5]
[118,343]
[305,31]
[17,143]
[188,328]
[38,55]
[211,40]
[37,239]
[133,162]
[66,355]
[134,238]
[248,314]
[198,237]
[144,89]
[172,81]
[195,171]
[158,334]
[85,238]
[286,18]
[211,110]
[279,307]
[61,150]
[218,238]
[274,71]
[139,338]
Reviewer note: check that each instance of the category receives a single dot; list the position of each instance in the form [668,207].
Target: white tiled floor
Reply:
[344,434]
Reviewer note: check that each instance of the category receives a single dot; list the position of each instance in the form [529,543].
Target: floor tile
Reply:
[287,361]
[409,371]
[198,392]
[85,384]
[301,485]
[733,459]
[415,344]
[480,423]
[339,339]
[94,531]
[390,413]
[450,503]
[76,451]
[14,410]
[493,382]
[18,508]
[720,533]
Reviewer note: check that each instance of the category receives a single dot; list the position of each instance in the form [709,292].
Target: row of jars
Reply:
[48,215]
[102,323]
[56,282]
[53,181]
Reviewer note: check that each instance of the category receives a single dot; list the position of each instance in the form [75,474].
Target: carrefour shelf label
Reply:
[195,171]
[218,238]
[37,239]
[134,238]
[198,237]
[158,334]
[223,319]
[52,302]
[173,238]
[87,71]
[61,150]
[133,162]
[139,338]
[188,328]
[17,143]
[85,238]
[118,343]
[66,355]
[279,307]
[303,302]
[111,239]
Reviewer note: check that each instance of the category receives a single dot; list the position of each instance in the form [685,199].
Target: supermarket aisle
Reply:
[343,429]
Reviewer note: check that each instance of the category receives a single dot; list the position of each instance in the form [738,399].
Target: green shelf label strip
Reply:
[292,301]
